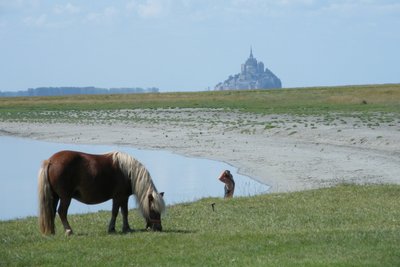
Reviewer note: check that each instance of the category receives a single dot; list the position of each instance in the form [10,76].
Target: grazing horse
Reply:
[94,179]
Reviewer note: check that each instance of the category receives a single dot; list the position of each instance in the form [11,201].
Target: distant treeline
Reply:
[58,91]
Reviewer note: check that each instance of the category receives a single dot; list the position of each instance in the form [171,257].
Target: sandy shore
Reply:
[289,153]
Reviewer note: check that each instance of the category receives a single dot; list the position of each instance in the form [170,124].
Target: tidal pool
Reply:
[183,179]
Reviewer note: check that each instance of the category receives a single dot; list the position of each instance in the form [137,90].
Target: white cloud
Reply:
[360,8]
[18,4]
[295,2]
[38,21]
[107,15]
[148,8]
[67,8]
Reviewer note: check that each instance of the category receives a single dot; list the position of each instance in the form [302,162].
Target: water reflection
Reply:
[181,178]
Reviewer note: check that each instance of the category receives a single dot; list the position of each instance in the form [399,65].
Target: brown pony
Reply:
[94,179]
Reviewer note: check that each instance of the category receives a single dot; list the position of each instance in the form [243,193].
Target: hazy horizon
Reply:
[191,45]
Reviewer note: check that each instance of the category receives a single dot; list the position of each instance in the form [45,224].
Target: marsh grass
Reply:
[308,101]
[341,226]
[324,106]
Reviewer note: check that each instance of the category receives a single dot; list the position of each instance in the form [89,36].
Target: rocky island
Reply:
[252,76]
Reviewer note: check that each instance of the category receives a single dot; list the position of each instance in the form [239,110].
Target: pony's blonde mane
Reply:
[142,184]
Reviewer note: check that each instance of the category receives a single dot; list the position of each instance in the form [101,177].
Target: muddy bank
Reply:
[287,152]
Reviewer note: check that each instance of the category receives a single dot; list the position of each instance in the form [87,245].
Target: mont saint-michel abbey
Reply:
[252,76]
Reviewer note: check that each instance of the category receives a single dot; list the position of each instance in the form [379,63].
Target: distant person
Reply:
[227,178]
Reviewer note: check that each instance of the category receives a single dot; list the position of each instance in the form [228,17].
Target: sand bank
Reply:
[289,153]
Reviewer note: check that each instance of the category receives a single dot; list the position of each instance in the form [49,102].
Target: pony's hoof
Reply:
[127,231]
[68,232]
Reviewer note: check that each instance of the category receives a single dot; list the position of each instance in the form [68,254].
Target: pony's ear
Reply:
[151,198]
[162,194]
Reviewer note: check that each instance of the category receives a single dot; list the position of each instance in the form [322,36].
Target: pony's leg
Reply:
[124,210]
[114,214]
[62,212]
[55,203]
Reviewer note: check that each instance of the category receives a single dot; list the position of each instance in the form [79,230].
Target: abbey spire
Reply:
[253,75]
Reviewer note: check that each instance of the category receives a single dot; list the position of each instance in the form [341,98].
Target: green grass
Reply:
[368,98]
[341,226]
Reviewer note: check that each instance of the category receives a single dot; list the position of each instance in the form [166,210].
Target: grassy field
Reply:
[340,226]
[308,101]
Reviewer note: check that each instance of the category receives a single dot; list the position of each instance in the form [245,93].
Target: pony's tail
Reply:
[46,209]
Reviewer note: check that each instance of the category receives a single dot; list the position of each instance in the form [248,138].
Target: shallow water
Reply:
[182,178]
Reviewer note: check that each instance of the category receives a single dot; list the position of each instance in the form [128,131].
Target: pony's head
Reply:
[151,203]
[156,207]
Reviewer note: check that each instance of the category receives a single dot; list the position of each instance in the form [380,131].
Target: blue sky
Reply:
[188,45]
